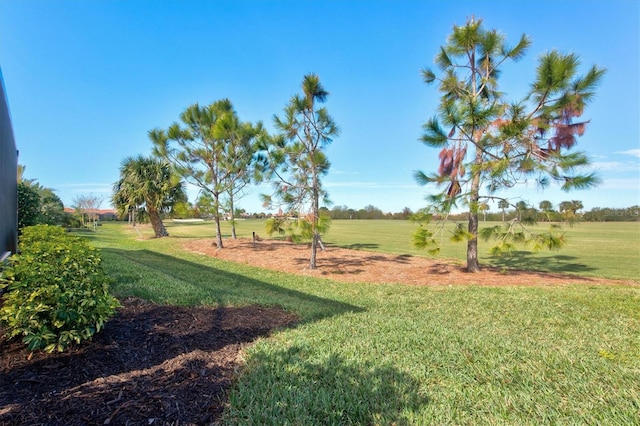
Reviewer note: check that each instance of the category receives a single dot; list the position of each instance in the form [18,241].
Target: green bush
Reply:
[57,292]
[28,206]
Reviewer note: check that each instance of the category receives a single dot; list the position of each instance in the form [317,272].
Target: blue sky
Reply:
[87,79]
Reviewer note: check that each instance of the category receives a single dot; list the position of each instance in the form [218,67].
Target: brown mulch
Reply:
[169,365]
[348,265]
[151,364]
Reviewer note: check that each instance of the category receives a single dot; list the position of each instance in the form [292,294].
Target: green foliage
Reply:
[298,229]
[423,237]
[629,214]
[49,205]
[515,234]
[57,292]
[213,150]
[308,228]
[150,183]
[487,141]
[276,225]
[460,233]
[295,159]
[184,210]
[28,205]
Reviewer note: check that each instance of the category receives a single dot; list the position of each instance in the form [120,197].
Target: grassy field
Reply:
[609,250]
[394,354]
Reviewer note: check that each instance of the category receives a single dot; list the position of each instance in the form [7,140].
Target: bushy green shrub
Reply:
[28,206]
[57,292]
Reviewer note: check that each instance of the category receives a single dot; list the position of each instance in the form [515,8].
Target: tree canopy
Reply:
[149,183]
[47,207]
[297,161]
[212,149]
[488,143]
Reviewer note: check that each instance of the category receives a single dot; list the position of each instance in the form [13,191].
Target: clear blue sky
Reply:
[87,79]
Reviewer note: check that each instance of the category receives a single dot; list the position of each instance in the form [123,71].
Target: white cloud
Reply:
[369,185]
[87,187]
[615,166]
[342,172]
[631,152]
[620,184]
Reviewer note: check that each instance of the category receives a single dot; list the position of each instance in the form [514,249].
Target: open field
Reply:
[607,250]
[367,353]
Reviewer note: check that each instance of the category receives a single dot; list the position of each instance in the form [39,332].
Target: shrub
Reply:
[28,206]
[57,292]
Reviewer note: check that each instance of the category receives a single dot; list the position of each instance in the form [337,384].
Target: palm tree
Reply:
[521,207]
[503,204]
[570,209]
[483,207]
[148,182]
[547,207]
[21,178]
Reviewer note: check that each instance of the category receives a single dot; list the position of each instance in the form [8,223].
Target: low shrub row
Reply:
[57,293]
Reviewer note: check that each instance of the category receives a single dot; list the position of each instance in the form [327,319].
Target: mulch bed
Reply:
[352,266]
[151,364]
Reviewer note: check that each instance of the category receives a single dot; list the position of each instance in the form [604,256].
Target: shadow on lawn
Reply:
[154,362]
[200,284]
[302,388]
[528,261]
[360,246]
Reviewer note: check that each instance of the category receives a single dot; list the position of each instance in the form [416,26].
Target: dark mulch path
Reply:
[150,365]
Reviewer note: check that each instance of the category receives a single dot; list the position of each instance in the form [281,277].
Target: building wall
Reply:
[8,178]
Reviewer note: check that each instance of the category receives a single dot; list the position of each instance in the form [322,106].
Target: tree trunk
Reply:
[158,227]
[217,219]
[314,250]
[472,245]
[314,223]
[233,219]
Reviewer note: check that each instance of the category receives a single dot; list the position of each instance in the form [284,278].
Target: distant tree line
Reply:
[368,212]
[567,211]
[598,214]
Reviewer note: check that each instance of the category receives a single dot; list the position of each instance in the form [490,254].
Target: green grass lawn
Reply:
[609,250]
[394,354]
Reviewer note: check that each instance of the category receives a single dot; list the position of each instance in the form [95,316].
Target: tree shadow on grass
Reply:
[529,261]
[195,284]
[349,265]
[306,389]
[360,246]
